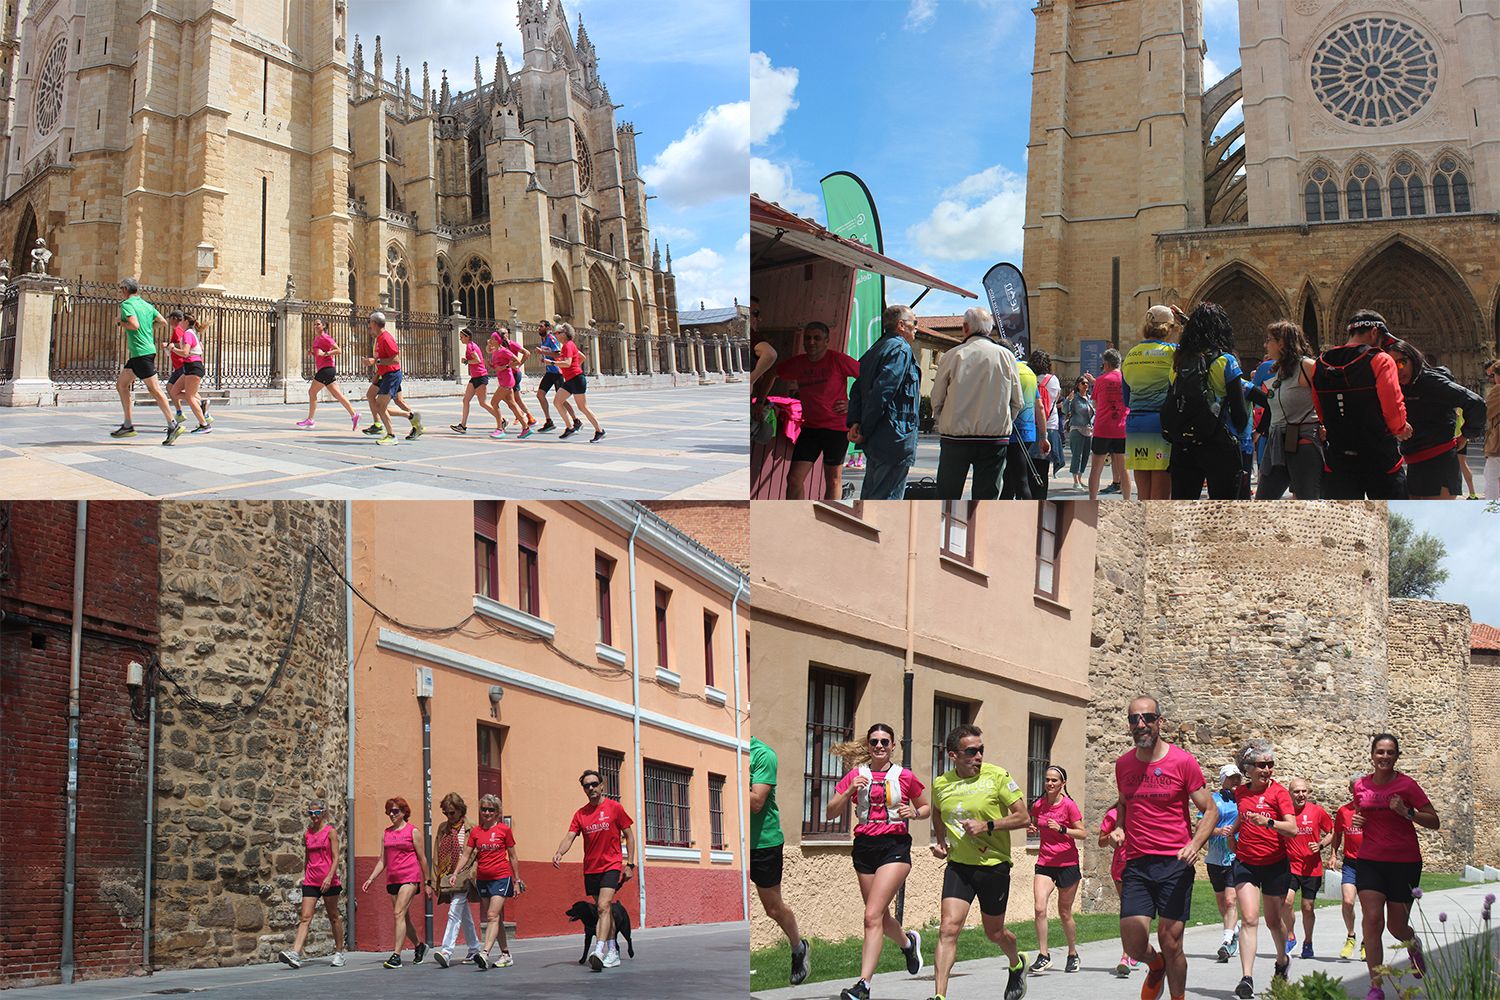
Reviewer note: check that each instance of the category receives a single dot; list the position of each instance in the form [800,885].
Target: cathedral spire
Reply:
[502,77]
[478,77]
[359,69]
[669,258]
[426,90]
[445,103]
[406,94]
[656,255]
[379,66]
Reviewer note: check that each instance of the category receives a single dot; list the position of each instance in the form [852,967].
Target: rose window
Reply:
[1374,71]
[585,160]
[49,88]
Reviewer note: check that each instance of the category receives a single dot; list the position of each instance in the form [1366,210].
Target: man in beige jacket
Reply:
[975,399]
[1492,433]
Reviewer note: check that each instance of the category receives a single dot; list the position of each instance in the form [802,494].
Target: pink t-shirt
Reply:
[820,385]
[1107,825]
[1110,410]
[570,360]
[880,821]
[1389,835]
[319,856]
[186,337]
[1313,823]
[1156,799]
[1261,845]
[1058,850]
[387,352]
[401,864]
[322,344]
[474,358]
[501,360]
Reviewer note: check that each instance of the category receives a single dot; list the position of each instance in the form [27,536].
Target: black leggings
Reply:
[1218,463]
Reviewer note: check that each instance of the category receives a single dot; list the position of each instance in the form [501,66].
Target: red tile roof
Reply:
[1484,638]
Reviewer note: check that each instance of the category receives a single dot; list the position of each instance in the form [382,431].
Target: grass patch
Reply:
[839,960]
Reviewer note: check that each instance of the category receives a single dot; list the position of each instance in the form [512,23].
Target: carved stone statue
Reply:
[40,256]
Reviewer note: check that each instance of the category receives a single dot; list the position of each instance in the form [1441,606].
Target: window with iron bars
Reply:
[830,721]
[610,763]
[1038,756]
[667,810]
[716,811]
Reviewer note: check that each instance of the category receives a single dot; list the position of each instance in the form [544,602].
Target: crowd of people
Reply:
[1175,416]
[500,357]
[1263,843]
[472,863]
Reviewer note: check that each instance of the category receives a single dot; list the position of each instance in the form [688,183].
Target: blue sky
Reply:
[930,103]
[1469,530]
[678,69]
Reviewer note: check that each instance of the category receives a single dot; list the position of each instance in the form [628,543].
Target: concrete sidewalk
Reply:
[984,979]
[702,960]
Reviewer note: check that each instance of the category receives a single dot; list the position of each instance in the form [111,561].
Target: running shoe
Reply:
[611,959]
[1246,989]
[859,991]
[1155,983]
[1291,942]
[174,430]
[201,429]
[388,439]
[1111,488]
[1122,970]
[498,432]
[416,424]
[1223,955]
[524,434]
[469,958]
[1347,951]
[505,961]
[596,957]
[1042,964]
[179,416]
[1071,965]
[419,954]
[1280,971]
[1418,960]
[338,960]
[309,424]
[374,429]
[291,958]
[394,962]
[1234,942]
[913,952]
[482,961]
[577,425]
[1307,951]
[413,434]
[1361,951]
[597,437]
[458,428]
[548,426]
[800,967]
[1015,982]
[568,433]
[354,422]
[123,431]
[440,957]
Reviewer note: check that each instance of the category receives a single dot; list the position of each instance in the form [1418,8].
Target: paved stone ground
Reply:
[985,978]
[704,960]
[685,442]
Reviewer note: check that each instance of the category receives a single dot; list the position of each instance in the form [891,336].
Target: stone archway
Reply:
[1310,325]
[602,295]
[1252,305]
[562,295]
[26,234]
[1424,302]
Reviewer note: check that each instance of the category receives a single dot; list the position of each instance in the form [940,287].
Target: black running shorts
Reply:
[1308,885]
[479,381]
[594,881]
[991,883]
[1219,875]
[395,887]
[315,891]
[1065,876]
[326,375]
[1157,885]
[813,442]
[1273,879]
[765,866]
[874,851]
[189,368]
[1107,446]
[143,366]
[577,385]
[1427,479]
[1392,879]
[550,381]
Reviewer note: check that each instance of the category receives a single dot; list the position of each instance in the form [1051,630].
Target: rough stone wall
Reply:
[231,786]
[1430,685]
[1484,733]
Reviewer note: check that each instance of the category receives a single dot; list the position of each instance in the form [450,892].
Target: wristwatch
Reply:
[1411,813]
[991,824]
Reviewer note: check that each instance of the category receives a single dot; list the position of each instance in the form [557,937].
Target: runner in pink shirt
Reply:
[325,351]
[1057,821]
[822,376]
[505,357]
[187,369]
[479,378]
[406,876]
[1111,835]
[886,796]
[320,880]
[1390,808]
[1157,781]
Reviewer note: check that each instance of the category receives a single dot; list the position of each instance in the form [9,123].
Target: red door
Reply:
[491,742]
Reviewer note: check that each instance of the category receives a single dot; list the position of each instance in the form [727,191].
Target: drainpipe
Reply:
[739,759]
[909,673]
[75,661]
[349,777]
[427,801]
[150,828]
[635,721]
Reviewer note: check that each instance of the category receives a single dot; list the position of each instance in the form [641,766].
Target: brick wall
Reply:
[36,597]
[723,526]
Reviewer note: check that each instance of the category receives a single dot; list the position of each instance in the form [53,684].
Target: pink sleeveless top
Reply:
[401,863]
[319,856]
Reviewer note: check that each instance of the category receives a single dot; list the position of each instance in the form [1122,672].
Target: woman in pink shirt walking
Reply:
[406,876]
[1109,427]
[320,880]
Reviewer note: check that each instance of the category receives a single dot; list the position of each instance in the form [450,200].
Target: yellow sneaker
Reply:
[1347,952]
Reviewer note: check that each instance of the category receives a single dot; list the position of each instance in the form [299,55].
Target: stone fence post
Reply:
[31,377]
[457,321]
[286,373]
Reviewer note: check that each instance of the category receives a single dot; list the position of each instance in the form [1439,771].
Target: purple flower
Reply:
[1442,918]
[1416,893]
[1489,899]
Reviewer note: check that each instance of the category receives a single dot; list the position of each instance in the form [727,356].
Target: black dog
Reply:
[587,914]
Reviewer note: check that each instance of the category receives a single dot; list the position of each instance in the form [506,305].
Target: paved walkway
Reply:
[690,442]
[691,963]
[984,979]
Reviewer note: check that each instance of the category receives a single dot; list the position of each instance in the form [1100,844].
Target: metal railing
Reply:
[346,324]
[425,348]
[8,313]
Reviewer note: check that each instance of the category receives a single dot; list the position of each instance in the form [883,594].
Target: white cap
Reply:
[1229,771]
[1160,314]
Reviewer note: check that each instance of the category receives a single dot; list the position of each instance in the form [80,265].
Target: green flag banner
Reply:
[851,214]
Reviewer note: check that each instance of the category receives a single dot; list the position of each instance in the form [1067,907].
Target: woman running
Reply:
[1266,821]
[503,362]
[575,384]
[325,351]
[886,797]
[1294,445]
[406,877]
[1057,820]
[1111,834]
[320,880]
[498,877]
[187,364]
[518,371]
[454,883]
[479,378]
[1390,806]
[1432,399]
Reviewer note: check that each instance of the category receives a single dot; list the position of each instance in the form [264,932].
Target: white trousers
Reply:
[460,916]
[1492,478]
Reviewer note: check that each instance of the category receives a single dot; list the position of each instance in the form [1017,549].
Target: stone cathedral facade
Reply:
[229,145]
[1366,172]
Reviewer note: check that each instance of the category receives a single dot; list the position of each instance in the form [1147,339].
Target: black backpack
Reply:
[1189,415]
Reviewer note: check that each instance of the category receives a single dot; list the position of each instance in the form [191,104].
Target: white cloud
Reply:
[708,162]
[920,13]
[742,245]
[667,231]
[709,277]
[773,182]
[770,96]
[1221,15]
[980,217]
[1212,74]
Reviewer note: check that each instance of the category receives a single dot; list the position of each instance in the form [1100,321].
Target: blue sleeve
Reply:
[1124,392]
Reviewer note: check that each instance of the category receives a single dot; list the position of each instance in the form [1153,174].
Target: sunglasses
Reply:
[1265,764]
[1142,718]
[590,784]
[393,812]
[971,751]
[488,809]
[880,743]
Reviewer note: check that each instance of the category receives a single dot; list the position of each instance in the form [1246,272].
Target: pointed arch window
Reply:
[1322,197]
[476,290]
[1362,193]
[393,194]
[445,286]
[397,281]
[1450,187]
[353,282]
[479,197]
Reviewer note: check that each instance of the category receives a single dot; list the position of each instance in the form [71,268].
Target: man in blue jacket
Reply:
[883,401]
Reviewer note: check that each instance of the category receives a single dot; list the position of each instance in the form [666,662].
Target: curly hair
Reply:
[1293,346]
[1207,332]
[1041,362]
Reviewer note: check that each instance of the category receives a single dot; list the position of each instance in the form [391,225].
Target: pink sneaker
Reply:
[497,433]
[307,423]
[355,425]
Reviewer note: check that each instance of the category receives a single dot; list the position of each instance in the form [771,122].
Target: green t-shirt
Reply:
[765,826]
[143,341]
[987,795]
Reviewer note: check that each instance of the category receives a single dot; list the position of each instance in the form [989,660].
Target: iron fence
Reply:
[347,325]
[8,313]
[425,348]
[614,353]
[684,355]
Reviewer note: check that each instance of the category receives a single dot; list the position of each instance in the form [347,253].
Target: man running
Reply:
[602,822]
[552,377]
[1346,840]
[974,807]
[1156,781]
[766,841]
[386,358]
[1220,859]
[1305,852]
[1357,393]
[138,319]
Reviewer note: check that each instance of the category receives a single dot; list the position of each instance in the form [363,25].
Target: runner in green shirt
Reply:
[974,807]
[766,840]
[138,319]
